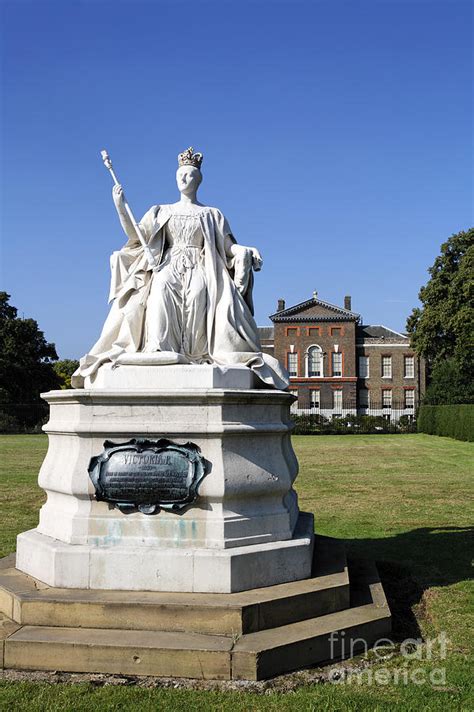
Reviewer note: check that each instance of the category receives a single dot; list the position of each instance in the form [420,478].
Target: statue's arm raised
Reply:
[139,233]
[125,221]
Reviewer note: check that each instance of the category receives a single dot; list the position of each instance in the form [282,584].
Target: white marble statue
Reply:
[194,304]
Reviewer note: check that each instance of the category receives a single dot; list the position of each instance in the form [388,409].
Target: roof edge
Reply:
[313,302]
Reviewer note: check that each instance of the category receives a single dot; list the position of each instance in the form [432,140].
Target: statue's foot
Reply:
[151,358]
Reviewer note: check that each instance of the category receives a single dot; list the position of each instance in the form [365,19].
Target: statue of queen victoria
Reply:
[182,293]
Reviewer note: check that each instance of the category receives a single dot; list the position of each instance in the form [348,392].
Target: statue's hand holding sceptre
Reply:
[118,197]
[127,219]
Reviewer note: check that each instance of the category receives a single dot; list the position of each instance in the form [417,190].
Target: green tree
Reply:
[26,366]
[442,330]
[64,370]
[449,385]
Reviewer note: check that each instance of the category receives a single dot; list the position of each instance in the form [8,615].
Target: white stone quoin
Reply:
[244,531]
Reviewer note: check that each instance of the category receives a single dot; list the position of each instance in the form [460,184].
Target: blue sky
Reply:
[336,136]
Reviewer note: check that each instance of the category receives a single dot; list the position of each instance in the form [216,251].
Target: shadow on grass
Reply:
[411,562]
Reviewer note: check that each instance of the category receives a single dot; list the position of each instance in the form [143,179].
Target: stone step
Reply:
[322,640]
[124,652]
[7,628]
[253,656]
[33,603]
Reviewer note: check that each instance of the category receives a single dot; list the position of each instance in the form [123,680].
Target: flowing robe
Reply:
[232,333]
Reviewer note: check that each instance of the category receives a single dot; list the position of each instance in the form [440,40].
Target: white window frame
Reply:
[366,361]
[289,355]
[307,361]
[390,366]
[314,399]
[410,406]
[335,407]
[364,405]
[386,391]
[333,355]
[411,360]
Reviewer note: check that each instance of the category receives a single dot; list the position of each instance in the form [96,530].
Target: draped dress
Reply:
[177,303]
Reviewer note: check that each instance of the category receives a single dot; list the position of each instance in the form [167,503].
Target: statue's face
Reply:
[188,179]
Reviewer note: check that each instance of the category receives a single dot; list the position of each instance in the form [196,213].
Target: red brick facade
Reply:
[322,344]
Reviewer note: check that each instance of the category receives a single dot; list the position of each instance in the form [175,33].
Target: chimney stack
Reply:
[348,303]
[281,305]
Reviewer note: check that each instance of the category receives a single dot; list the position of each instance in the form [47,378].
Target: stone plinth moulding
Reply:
[243,531]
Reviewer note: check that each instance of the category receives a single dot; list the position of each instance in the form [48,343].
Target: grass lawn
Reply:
[404,500]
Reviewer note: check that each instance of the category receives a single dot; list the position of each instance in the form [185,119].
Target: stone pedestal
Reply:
[338,611]
[244,530]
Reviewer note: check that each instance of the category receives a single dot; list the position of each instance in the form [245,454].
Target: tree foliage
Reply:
[26,365]
[443,327]
[449,385]
[64,370]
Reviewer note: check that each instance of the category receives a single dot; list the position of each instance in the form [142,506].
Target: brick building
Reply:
[338,365]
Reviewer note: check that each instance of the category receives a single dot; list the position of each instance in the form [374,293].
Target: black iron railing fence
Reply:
[352,418]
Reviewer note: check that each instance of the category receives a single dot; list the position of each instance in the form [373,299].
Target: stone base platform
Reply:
[199,570]
[251,635]
[136,371]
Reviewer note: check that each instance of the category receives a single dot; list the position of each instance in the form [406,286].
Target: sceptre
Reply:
[148,252]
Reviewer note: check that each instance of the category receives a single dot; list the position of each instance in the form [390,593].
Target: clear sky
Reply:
[336,138]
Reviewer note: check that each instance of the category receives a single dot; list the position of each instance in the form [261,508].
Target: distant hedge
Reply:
[454,421]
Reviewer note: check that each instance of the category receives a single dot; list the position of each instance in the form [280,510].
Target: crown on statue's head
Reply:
[189,158]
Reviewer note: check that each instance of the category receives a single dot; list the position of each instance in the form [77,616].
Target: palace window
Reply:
[292,363]
[337,364]
[387,398]
[364,367]
[364,398]
[386,367]
[315,399]
[409,369]
[292,331]
[315,361]
[313,330]
[410,399]
[337,401]
[336,331]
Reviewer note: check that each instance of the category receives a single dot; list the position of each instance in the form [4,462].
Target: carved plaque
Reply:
[147,475]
